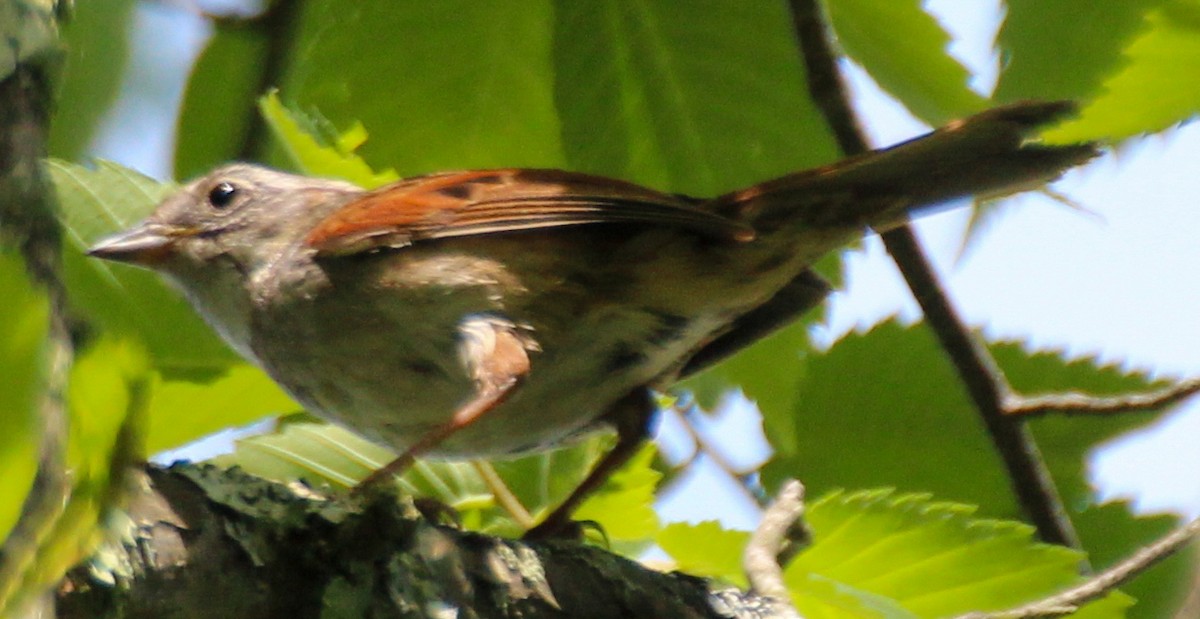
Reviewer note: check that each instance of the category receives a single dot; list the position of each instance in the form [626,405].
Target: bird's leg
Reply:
[631,415]
[495,352]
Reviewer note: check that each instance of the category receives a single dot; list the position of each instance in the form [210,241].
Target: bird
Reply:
[490,313]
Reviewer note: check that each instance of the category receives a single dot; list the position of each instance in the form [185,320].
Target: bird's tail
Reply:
[986,154]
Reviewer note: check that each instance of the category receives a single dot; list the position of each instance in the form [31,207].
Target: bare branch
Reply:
[706,449]
[503,494]
[27,216]
[1073,403]
[985,383]
[770,545]
[1069,601]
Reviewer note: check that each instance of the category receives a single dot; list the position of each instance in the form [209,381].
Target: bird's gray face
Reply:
[240,213]
[214,234]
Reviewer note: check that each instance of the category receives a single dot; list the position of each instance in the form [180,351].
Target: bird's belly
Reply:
[396,389]
[378,352]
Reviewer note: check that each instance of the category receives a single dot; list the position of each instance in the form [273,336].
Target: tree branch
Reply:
[1069,601]
[1083,404]
[27,217]
[775,542]
[224,544]
[982,378]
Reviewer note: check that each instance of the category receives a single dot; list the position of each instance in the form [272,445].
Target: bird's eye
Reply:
[222,194]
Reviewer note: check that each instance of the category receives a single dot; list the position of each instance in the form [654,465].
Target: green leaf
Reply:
[624,505]
[220,100]
[865,403]
[935,559]
[1112,531]
[123,299]
[326,157]
[441,85]
[1065,49]
[304,449]
[324,454]
[904,49]
[885,409]
[23,320]
[96,38]
[184,411]
[706,549]
[768,373]
[1157,86]
[684,100]
[881,554]
[108,395]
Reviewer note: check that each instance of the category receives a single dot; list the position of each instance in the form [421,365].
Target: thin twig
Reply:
[1072,403]
[771,542]
[503,494]
[1030,481]
[1069,601]
[705,448]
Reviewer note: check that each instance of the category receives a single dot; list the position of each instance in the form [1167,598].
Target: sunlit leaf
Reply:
[313,155]
[624,506]
[886,391]
[1065,49]
[1155,89]
[706,548]
[106,400]
[935,559]
[183,411]
[887,555]
[23,320]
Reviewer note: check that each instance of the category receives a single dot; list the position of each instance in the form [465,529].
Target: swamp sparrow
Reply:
[493,312]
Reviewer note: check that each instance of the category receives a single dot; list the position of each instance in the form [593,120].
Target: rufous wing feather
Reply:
[499,201]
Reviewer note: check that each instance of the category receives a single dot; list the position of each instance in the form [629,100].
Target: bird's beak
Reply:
[145,244]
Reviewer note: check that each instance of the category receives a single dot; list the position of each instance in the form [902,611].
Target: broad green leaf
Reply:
[313,155]
[325,454]
[904,50]
[881,554]
[885,409]
[706,549]
[23,320]
[1111,531]
[109,391]
[120,298]
[96,38]
[220,101]
[1065,49]
[1155,89]
[935,559]
[880,393]
[184,411]
[441,85]
[694,101]
[768,373]
[301,448]
[624,506]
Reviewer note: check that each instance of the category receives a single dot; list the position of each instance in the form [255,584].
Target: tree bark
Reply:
[205,542]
